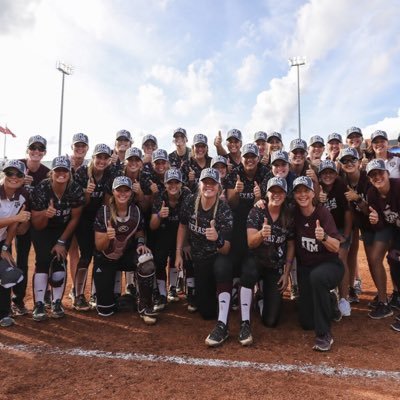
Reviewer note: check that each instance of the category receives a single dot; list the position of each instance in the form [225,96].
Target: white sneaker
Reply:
[344,307]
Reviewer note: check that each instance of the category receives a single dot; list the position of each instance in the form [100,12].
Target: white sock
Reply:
[224,300]
[173,276]
[162,289]
[40,286]
[246,295]
[130,278]
[57,292]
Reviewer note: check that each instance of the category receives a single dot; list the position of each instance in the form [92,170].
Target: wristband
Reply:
[5,247]
[141,241]
[61,242]
[220,242]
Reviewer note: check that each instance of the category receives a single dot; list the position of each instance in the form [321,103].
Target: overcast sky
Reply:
[151,66]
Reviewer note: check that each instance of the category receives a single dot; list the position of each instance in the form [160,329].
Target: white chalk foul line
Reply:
[209,362]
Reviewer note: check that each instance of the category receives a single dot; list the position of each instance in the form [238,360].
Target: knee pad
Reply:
[57,265]
[10,275]
[145,266]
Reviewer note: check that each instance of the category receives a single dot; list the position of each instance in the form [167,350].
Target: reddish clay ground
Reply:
[359,343]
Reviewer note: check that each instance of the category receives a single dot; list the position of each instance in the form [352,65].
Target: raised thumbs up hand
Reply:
[28,179]
[229,165]
[91,186]
[114,156]
[153,187]
[373,216]
[136,187]
[211,232]
[218,140]
[351,194]
[23,215]
[51,211]
[257,191]
[164,211]
[323,197]
[110,230]
[192,175]
[319,231]
[239,187]
[266,229]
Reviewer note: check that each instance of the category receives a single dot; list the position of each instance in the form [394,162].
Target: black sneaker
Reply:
[323,342]
[81,304]
[218,335]
[173,295]
[396,325]
[374,302]
[245,336]
[382,310]
[395,300]
[18,308]
[131,290]
[148,316]
[57,310]
[39,312]
[160,303]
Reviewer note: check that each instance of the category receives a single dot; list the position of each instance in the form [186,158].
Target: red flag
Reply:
[8,132]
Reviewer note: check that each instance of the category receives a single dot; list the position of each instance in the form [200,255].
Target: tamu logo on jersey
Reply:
[310,244]
[123,228]
[331,204]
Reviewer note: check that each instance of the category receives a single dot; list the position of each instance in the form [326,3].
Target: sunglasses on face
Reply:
[11,174]
[37,147]
[348,161]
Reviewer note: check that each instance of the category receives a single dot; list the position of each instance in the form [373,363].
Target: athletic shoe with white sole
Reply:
[148,316]
[218,335]
[57,310]
[381,311]
[81,304]
[6,322]
[245,336]
[172,295]
[39,312]
[396,325]
[323,342]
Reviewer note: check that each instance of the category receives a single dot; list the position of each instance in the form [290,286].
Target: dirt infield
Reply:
[87,357]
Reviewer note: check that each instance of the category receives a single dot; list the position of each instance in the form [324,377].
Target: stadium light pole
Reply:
[297,62]
[65,69]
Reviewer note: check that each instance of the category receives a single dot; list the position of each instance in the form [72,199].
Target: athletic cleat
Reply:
[93,301]
[148,316]
[18,309]
[218,335]
[71,294]
[131,290]
[344,307]
[398,318]
[395,300]
[358,286]
[381,311]
[81,304]
[39,312]
[172,295]
[323,342]
[353,296]
[245,336]
[57,310]
[160,303]
[6,322]
[47,299]
[396,325]
[294,292]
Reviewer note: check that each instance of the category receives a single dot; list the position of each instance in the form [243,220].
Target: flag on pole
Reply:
[7,131]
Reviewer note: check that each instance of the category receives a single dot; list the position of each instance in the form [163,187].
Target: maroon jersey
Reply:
[125,229]
[310,251]
[388,208]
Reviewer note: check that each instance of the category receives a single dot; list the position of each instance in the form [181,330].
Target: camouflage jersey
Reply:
[246,198]
[102,187]
[72,197]
[125,230]
[201,248]
[148,174]
[271,253]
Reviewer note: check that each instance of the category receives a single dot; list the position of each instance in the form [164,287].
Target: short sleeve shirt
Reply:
[72,197]
[197,222]
[38,176]
[272,251]
[337,203]
[310,251]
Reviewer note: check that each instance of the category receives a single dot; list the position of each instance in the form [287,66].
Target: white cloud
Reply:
[151,101]
[391,125]
[247,75]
